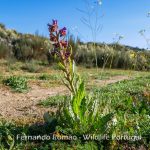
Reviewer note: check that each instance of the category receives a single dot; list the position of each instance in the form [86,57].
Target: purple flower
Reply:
[62,31]
[67,55]
[54,22]
[53,27]
[64,43]
[53,38]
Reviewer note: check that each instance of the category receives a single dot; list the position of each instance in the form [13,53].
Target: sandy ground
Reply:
[24,105]
[111,80]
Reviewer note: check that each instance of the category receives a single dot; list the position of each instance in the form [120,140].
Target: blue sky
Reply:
[125,17]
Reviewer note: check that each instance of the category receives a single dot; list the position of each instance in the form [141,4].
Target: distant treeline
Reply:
[27,47]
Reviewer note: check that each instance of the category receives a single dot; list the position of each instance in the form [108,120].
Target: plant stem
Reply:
[68,76]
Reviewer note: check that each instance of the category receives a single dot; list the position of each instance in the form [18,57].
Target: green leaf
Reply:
[103,122]
[62,67]
[77,99]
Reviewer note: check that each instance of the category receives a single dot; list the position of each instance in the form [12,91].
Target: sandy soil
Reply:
[24,105]
[111,80]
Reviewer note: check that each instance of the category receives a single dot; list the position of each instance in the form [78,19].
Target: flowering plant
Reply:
[80,114]
[63,51]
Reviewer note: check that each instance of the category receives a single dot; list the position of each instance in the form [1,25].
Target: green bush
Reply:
[30,47]
[5,51]
[17,83]
[2,26]
[32,66]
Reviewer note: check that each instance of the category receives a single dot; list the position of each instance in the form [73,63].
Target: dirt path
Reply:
[110,80]
[24,105]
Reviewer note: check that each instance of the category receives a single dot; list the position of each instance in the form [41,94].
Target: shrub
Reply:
[112,56]
[11,64]
[18,84]
[2,26]
[32,67]
[5,51]
[30,47]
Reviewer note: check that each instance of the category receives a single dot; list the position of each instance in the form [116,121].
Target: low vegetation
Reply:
[18,84]
[26,47]
[131,117]
[53,101]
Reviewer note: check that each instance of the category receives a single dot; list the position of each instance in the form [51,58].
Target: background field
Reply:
[28,90]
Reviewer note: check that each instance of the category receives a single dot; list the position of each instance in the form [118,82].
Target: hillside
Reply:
[27,47]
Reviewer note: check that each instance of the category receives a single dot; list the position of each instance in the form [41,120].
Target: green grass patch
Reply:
[132,117]
[49,77]
[130,103]
[17,83]
[53,101]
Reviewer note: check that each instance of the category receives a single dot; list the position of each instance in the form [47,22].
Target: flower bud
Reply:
[64,44]
[62,31]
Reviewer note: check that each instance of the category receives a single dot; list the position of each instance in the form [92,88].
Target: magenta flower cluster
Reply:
[57,37]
